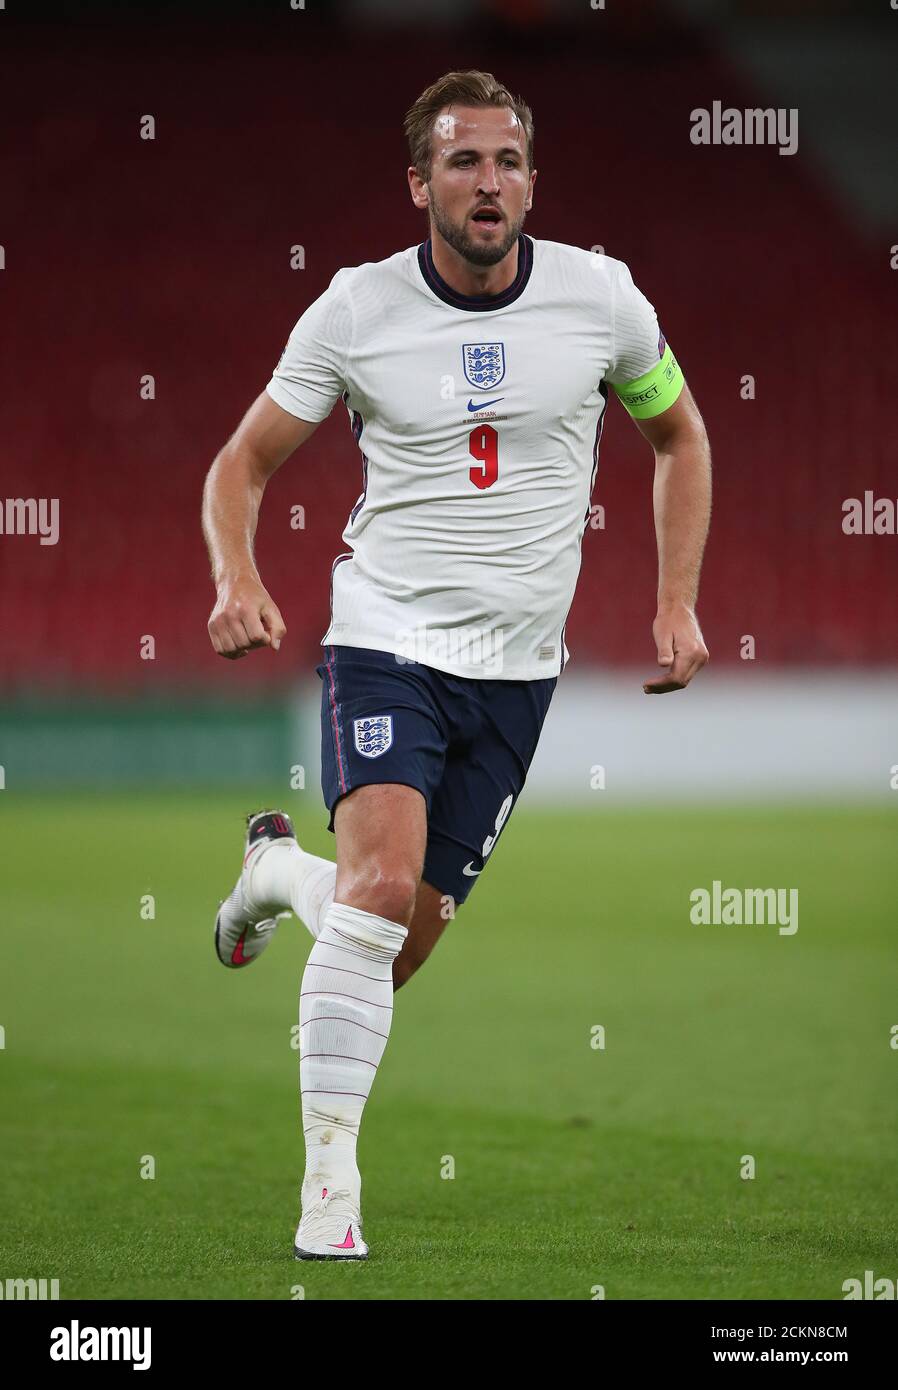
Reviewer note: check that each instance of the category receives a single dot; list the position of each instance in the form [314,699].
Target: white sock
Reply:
[345,1012]
[286,877]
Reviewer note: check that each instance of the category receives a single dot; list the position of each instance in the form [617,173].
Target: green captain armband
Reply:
[648,395]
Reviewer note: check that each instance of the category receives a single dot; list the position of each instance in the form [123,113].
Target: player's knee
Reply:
[387,890]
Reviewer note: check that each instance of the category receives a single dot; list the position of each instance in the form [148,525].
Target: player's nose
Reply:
[489,177]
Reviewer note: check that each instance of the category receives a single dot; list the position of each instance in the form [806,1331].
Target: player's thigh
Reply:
[383,742]
[381,831]
[481,784]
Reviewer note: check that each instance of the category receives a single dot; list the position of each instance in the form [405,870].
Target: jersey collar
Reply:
[477,303]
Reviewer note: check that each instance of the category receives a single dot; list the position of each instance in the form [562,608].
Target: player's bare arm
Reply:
[682,503]
[245,616]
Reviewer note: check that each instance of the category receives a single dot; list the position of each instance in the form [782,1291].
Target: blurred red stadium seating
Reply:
[171,257]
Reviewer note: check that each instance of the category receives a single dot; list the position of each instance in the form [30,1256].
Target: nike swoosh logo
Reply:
[347,1244]
[472,873]
[238,958]
[472,406]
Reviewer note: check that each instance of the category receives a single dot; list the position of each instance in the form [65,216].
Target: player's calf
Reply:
[425,929]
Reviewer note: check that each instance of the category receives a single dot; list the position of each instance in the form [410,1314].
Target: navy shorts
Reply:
[465,744]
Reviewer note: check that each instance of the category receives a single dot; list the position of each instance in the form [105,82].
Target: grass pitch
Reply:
[574,1166]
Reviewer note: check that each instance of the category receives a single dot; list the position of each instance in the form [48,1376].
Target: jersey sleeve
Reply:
[645,375]
[311,374]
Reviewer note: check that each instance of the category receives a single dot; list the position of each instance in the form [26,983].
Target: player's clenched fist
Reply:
[245,616]
[681,649]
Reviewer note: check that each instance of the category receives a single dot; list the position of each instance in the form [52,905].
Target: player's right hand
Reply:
[245,616]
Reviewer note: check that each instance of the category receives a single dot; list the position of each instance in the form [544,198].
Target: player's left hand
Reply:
[681,649]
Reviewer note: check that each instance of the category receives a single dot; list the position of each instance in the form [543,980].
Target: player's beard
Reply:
[475,252]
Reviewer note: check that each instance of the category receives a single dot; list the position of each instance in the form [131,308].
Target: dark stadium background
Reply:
[279,127]
[122,777]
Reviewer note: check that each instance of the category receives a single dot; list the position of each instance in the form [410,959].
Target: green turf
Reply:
[574,1167]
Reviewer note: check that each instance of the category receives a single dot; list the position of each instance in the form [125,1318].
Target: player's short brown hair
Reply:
[471,88]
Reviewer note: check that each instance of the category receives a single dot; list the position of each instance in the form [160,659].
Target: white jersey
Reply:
[478,420]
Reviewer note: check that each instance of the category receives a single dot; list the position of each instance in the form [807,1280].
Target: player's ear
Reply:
[418,188]
[529,203]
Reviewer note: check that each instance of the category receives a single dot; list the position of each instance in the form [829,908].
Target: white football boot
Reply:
[243,928]
[331,1226]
